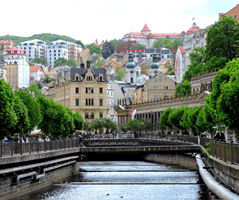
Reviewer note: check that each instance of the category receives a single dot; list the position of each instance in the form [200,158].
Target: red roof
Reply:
[15,49]
[44,84]
[34,68]
[146,28]
[133,50]
[135,33]
[191,30]
[151,35]
[173,50]
[181,49]
[6,41]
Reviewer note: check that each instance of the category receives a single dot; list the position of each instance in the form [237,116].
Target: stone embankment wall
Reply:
[9,190]
[184,160]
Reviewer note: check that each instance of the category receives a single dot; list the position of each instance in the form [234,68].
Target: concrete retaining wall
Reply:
[26,185]
[184,160]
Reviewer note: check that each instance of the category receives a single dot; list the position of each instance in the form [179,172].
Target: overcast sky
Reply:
[87,20]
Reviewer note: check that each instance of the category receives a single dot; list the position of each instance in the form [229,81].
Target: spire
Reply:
[154,64]
[145,28]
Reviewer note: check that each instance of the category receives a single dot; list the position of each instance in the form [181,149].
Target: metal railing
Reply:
[226,151]
[16,148]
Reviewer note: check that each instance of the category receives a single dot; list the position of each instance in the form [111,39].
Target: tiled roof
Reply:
[6,41]
[181,49]
[191,30]
[15,49]
[151,35]
[166,34]
[135,33]
[96,44]
[146,28]
[34,68]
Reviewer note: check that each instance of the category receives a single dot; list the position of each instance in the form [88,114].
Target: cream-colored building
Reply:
[83,90]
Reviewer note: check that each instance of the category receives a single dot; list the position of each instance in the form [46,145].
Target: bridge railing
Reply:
[16,148]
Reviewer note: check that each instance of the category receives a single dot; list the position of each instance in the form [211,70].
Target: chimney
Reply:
[88,63]
[82,64]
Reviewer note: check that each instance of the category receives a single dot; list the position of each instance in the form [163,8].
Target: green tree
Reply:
[159,126]
[224,100]
[34,88]
[87,126]
[95,49]
[223,39]
[71,62]
[158,43]
[167,43]
[39,60]
[23,121]
[145,125]
[79,121]
[97,124]
[59,62]
[114,42]
[107,49]
[33,108]
[124,127]
[80,43]
[183,88]
[134,125]
[170,68]
[30,63]
[184,119]
[120,74]
[192,119]
[108,124]
[98,62]
[47,80]
[176,116]
[8,117]
[140,46]
[177,42]
[69,122]
[164,118]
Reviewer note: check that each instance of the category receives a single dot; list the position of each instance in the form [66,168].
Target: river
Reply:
[133,180]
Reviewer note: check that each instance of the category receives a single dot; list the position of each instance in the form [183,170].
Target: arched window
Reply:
[101,79]
[131,80]
[77,78]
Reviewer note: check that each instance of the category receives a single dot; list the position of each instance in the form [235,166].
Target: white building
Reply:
[62,49]
[110,101]
[23,73]
[180,64]
[35,74]
[34,49]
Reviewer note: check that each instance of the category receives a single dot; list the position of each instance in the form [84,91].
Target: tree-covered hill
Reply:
[47,37]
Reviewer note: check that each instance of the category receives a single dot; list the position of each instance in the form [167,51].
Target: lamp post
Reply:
[151,121]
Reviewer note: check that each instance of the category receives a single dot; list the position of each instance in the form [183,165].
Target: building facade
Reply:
[34,49]
[110,101]
[35,74]
[180,67]
[83,90]
[233,12]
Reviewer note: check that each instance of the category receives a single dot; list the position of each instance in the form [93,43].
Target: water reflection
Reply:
[126,180]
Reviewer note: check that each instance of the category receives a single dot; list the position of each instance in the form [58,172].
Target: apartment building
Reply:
[83,90]
[34,49]
[62,49]
[18,74]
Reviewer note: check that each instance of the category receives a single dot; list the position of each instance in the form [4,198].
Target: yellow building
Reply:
[83,56]
[110,64]
[121,60]
[83,90]
[12,75]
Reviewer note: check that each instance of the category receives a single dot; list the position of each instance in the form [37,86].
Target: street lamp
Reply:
[151,121]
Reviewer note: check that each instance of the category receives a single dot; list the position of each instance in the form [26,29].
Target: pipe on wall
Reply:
[212,184]
[38,176]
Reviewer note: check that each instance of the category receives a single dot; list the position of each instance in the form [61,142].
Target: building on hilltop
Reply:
[7,43]
[34,49]
[233,12]
[83,90]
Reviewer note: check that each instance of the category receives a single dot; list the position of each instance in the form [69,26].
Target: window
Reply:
[165,87]
[101,79]
[86,115]
[165,96]
[165,79]
[89,78]
[155,79]
[77,78]
[101,115]
[9,74]
[101,102]
[77,102]
[235,17]
[101,90]
[157,88]
[92,115]
[160,78]
[89,102]
[77,90]
[89,90]
[154,87]
[155,97]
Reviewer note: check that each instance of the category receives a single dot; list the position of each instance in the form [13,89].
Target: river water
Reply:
[133,180]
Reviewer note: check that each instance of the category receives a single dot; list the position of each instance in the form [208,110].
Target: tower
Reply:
[145,30]
[154,66]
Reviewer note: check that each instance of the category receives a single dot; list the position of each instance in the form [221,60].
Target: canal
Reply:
[125,179]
